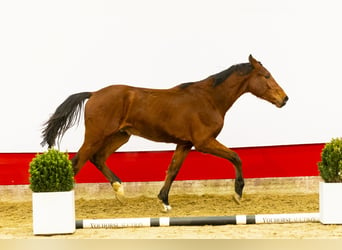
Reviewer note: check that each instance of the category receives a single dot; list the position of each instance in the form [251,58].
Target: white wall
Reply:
[51,49]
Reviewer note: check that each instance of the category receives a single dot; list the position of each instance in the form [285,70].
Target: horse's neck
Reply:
[225,94]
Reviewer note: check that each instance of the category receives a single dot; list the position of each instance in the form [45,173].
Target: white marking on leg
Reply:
[167,208]
[119,191]
[237,198]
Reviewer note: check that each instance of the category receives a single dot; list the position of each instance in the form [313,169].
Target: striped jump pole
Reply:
[198,221]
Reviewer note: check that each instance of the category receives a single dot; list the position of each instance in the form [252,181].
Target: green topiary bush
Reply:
[330,167]
[51,172]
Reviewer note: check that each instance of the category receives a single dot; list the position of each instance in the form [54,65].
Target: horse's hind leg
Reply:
[110,145]
[83,155]
[177,159]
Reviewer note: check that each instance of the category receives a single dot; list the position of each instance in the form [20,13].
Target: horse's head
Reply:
[262,84]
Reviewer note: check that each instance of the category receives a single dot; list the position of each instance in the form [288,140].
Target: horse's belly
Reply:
[154,134]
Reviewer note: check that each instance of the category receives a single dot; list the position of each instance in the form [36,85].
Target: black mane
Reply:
[185,85]
[241,69]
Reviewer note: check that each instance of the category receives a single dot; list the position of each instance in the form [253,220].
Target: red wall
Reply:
[258,162]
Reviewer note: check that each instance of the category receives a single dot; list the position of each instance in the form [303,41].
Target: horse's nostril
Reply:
[286,98]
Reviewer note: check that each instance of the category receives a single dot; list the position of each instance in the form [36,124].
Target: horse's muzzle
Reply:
[286,98]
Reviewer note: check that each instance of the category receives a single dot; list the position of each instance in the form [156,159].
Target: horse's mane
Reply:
[241,69]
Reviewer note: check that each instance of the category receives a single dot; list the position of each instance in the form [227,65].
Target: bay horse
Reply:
[189,115]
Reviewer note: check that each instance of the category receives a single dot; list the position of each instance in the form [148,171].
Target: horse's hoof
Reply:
[119,191]
[237,198]
[167,208]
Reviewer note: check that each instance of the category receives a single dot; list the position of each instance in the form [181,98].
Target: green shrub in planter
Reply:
[51,172]
[330,167]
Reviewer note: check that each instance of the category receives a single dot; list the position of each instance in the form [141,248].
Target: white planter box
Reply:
[330,203]
[53,213]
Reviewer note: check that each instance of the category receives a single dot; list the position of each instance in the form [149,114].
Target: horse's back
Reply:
[114,94]
[119,100]
[167,115]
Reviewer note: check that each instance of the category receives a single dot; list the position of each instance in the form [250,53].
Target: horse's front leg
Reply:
[177,160]
[215,148]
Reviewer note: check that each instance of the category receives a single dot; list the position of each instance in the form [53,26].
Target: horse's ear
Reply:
[252,60]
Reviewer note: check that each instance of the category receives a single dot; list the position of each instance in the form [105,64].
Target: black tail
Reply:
[65,116]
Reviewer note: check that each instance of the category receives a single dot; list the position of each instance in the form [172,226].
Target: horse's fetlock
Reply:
[239,185]
[163,197]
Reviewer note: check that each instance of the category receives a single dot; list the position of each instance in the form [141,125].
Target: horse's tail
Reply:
[65,116]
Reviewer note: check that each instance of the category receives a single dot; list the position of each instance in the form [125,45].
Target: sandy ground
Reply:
[16,218]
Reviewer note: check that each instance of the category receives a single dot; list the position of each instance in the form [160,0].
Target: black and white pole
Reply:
[198,221]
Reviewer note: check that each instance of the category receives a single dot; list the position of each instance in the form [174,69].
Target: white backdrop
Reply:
[52,49]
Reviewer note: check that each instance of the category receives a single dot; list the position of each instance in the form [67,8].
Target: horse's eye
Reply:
[267,76]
